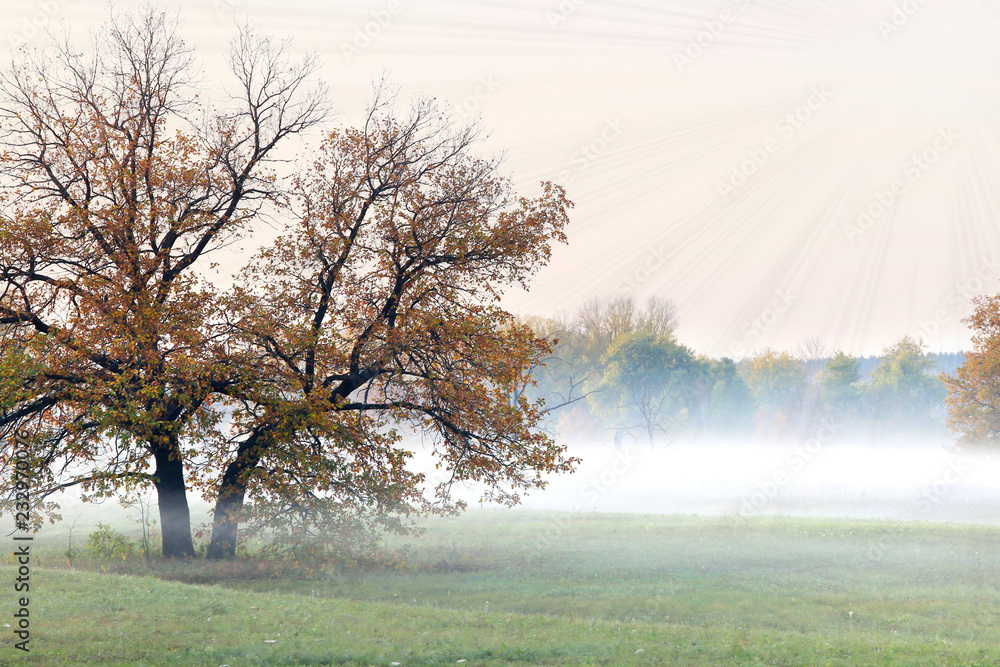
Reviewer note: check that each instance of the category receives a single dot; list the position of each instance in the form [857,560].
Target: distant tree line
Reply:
[617,367]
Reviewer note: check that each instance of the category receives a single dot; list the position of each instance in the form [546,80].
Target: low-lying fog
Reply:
[907,479]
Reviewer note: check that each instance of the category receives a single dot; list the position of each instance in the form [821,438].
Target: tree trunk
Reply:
[232,492]
[175,517]
[226,523]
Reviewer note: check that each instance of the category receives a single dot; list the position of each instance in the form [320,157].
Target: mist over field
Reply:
[916,478]
[910,479]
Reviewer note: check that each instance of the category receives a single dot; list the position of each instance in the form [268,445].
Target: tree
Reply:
[974,389]
[564,379]
[647,378]
[124,367]
[560,378]
[901,393]
[603,319]
[575,368]
[730,405]
[812,352]
[118,187]
[840,387]
[778,383]
[379,308]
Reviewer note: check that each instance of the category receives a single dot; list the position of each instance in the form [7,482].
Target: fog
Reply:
[927,479]
[911,479]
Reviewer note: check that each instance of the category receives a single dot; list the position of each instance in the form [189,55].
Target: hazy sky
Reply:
[778,168]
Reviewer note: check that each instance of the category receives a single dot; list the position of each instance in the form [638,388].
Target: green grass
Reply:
[521,588]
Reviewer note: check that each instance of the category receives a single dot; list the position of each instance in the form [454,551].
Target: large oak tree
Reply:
[123,367]
[377,310]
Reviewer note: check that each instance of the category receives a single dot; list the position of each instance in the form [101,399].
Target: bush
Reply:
[107,543]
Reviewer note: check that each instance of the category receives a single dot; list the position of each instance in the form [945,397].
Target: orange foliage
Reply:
[974,390]
[122,366]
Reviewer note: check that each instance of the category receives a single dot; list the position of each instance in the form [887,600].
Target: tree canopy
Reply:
[840,387]
[778,380]
[974,389]
[374,311]
[768,394]
[903,393]
[645,381]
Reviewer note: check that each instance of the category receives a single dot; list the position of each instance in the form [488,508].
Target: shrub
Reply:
[107,543]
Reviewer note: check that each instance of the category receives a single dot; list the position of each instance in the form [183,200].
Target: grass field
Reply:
[522,588]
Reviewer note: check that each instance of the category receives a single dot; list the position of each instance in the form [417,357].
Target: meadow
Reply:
[518,587]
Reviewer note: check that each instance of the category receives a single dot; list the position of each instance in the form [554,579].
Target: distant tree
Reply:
[647,379]
[901,393]
[840,388]
[974,389]
[562,378]
[576,367]
[721,402]
[812,352]
[949,362]
[658,317]
[778,382]
[731,405]
[605,319]
[699,404]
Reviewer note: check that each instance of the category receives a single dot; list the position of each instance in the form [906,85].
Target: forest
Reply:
[618,368]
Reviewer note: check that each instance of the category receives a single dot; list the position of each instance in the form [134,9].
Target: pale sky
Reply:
[781,169]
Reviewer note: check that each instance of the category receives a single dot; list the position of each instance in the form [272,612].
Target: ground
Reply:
[541,588]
